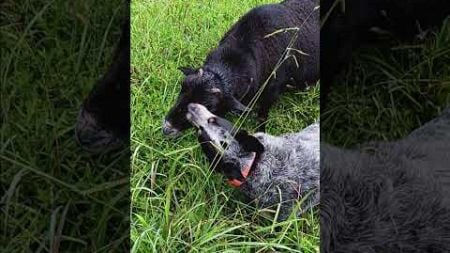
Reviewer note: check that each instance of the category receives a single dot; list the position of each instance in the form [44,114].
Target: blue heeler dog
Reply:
[271,170]
[388,196]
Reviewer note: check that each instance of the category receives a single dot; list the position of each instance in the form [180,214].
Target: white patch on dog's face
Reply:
[198,115]
[219,137]
[218,132]
[206,122]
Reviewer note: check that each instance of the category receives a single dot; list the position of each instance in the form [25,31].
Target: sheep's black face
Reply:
[231,153]
[198,87]
[202,87]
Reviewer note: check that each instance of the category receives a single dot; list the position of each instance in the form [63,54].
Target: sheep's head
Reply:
[202,87]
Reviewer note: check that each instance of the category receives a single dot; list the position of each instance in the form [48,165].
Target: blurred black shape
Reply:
[384,75]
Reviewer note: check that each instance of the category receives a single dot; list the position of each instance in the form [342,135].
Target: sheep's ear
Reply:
[236,106]
[249,142]
[187,70]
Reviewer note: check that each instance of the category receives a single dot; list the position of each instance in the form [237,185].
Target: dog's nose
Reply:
[168,129]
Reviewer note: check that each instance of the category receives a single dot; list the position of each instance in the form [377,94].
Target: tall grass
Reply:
[178,204]
[389,91]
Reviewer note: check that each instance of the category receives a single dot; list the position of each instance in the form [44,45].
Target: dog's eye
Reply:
[211,120]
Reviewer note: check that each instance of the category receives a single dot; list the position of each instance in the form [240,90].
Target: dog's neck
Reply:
[245,170]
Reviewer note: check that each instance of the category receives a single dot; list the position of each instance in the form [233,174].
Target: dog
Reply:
[269,170]
[388,196]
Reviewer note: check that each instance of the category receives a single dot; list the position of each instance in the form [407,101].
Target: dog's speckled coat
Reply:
[388,196]
[288,169]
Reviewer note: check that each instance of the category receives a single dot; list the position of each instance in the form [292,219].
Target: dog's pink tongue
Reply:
[235,183]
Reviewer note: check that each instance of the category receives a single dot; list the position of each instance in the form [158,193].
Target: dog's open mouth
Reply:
[245,171]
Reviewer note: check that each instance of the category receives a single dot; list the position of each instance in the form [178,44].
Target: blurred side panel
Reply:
[385,126]
[64,153]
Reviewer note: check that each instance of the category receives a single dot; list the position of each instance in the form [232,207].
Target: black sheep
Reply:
[233,72]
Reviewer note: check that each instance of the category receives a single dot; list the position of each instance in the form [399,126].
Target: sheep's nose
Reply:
[168,129]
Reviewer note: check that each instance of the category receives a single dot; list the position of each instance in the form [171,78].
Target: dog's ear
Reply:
[187,70]
[248,142]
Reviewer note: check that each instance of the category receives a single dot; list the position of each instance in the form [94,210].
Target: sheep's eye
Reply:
[211,120]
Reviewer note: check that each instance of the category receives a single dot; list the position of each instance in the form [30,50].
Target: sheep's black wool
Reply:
[236,69]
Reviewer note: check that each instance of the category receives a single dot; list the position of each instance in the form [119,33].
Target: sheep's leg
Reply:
[269,98]
[263,114]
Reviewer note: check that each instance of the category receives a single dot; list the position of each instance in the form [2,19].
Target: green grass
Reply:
[53,196]
[388,92]
[178,205]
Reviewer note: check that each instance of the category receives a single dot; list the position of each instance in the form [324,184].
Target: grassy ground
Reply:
[53,196]
[389,91]
[177,204]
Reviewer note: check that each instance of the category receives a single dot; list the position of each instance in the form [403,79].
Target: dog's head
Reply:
[231,152]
